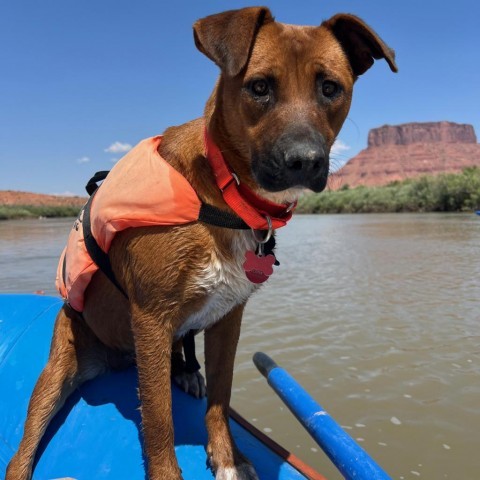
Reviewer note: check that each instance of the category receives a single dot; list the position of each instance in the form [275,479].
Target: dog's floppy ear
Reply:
[361,44]
[227,38]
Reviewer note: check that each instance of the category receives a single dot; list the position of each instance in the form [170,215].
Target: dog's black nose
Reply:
[305,157]
[297,158]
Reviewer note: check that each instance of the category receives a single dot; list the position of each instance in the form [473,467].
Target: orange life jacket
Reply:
[143,189]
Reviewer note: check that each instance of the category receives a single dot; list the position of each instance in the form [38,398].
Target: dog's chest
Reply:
[224,283]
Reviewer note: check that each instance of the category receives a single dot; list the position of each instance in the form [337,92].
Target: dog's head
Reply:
[285,90]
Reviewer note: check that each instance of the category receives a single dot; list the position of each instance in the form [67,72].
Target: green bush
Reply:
[8,212]
[441,193]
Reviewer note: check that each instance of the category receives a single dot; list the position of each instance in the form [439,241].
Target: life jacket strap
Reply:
[208,214]
[220,218]
[101,259]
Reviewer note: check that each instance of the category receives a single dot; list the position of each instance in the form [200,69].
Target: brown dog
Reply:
[282,97]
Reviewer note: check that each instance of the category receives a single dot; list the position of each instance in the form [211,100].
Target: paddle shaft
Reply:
[351,460]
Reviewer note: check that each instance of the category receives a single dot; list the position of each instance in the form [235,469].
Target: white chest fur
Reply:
[225,284]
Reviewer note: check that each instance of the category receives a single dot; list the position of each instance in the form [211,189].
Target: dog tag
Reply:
[258,267]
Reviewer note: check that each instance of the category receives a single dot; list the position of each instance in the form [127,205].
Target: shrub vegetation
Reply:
[8,212]
[441,193]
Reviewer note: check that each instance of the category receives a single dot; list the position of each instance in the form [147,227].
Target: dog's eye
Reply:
[329,88]
[260,88]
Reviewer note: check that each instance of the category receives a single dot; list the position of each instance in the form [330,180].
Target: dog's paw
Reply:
[192,383]
[244,471]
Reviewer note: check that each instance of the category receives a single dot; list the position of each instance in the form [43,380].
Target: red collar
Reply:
[250,207]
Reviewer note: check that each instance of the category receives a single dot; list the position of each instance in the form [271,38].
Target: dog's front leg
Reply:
[220,346]
[153,345]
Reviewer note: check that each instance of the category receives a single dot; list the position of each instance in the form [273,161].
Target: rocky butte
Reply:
[410,150]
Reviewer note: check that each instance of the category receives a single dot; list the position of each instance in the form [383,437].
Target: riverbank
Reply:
[9,212]
[441,193]
[15,205]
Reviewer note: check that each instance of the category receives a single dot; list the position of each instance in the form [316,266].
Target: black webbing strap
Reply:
[220,218]
[100,258]
[92,184]
[191,362]
[208,214]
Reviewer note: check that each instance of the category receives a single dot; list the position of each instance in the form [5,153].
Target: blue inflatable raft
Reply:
[97,435]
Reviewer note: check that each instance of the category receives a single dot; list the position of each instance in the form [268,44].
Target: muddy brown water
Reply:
[378,316]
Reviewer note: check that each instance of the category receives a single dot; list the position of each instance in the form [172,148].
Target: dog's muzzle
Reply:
[297,159]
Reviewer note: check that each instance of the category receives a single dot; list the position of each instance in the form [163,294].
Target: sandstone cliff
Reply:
[409,150]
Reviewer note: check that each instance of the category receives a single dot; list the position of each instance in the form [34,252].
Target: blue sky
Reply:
[82,80]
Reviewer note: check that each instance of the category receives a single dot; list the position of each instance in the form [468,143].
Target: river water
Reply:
[378,316]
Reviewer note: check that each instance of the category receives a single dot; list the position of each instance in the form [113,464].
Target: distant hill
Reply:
[398,152]
[14,198]
[36,205]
